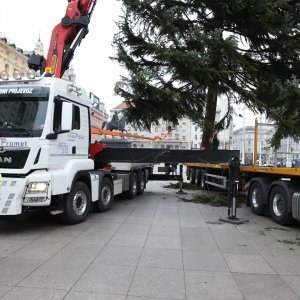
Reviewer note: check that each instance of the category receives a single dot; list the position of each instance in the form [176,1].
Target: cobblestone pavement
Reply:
[152,247]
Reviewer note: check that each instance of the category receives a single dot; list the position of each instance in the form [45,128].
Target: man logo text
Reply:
[5,160]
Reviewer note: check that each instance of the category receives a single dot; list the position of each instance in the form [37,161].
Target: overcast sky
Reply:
[23,21]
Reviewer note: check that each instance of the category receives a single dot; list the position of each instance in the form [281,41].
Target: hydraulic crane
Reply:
[66,36]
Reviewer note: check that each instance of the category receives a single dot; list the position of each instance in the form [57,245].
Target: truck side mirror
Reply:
[66,116]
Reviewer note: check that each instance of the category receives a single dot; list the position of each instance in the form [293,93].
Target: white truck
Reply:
[45,153]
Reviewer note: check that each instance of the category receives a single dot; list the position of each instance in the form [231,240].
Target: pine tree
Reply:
[182,54]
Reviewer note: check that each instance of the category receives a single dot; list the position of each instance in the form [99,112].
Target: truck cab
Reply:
[44,141]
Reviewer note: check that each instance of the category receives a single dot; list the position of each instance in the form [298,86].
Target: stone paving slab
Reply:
[259,286]
[151,247]
[20,293]
[158,283]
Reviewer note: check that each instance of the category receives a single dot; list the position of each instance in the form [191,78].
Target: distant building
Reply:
[12,58]
[98,111]
[178,138]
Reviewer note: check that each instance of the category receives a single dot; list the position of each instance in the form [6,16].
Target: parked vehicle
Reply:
[271,190]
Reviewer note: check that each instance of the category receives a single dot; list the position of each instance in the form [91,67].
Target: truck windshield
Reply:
[22,116]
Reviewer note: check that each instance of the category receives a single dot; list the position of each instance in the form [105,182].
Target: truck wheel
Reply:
[106,196]
[256,199]
[76,204]
[142,183]
[278,202]
[132,186]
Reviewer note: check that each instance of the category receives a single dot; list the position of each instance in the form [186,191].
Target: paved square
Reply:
[155,246]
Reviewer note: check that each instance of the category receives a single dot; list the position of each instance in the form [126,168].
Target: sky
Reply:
[23,22]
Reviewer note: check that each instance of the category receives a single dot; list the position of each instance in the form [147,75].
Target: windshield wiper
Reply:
[22,134]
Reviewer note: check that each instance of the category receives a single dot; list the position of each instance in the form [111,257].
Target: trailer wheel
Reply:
[76,204]
[278,202]
[132,192]
[142,183]
[256,199]
[106,196]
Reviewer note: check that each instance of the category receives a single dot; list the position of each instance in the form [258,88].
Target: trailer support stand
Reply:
[181,181]
[234,166]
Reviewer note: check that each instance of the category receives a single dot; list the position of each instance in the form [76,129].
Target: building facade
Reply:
[12,58]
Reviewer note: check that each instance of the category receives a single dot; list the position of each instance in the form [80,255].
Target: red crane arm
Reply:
[66,36]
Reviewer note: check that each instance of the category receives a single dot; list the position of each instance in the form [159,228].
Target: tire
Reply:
[133,184]
[278,203]
[106,196]
[256,198]
[142,183]
[76,204]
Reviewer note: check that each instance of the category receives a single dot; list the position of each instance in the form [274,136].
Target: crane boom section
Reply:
[67,35]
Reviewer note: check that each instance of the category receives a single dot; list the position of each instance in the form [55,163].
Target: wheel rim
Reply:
[134,185]
[106,195]
[278,205]
[255,198]
[79,203]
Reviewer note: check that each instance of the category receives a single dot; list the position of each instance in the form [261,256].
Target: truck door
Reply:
[74,143]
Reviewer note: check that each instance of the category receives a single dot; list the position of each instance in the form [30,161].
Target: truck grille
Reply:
[15,159]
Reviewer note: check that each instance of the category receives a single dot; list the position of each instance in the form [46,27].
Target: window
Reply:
[196,137]
[57,116]
[183,138]
[196,128]
[76,117]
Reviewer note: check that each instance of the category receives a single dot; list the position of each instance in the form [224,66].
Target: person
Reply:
[215,142]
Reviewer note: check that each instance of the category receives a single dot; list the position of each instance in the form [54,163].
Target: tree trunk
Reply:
[210,115]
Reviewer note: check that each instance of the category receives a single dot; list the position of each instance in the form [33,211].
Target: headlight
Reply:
[37,187]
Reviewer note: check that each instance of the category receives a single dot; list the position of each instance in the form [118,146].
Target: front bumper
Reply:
[11,194]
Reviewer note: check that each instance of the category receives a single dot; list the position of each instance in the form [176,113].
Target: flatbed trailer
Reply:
[270,190]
